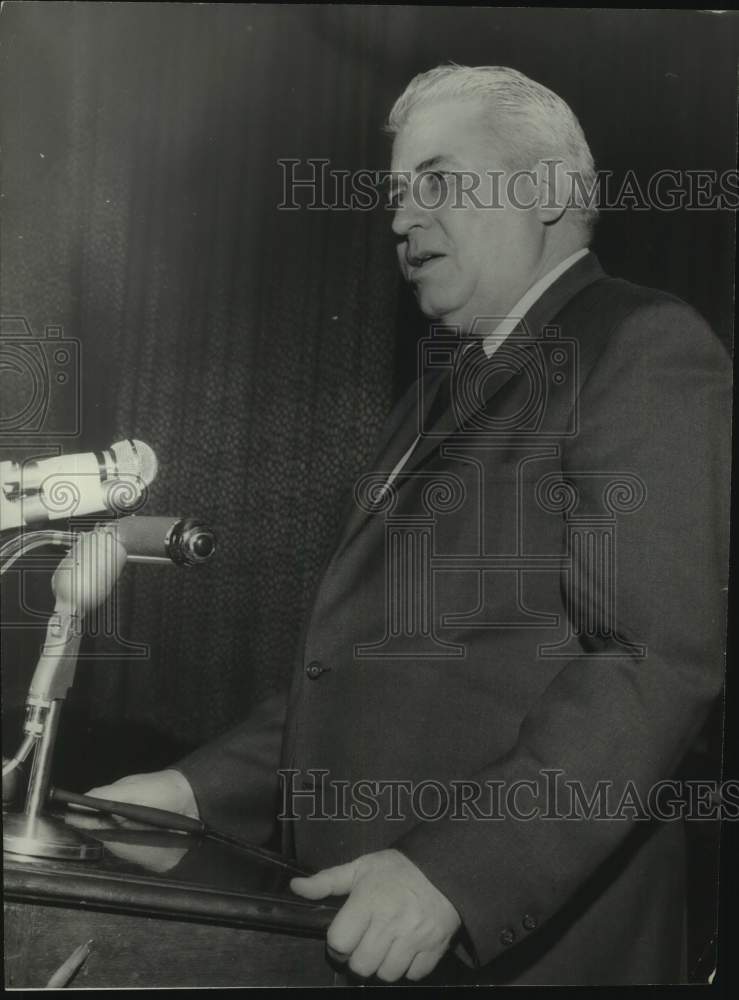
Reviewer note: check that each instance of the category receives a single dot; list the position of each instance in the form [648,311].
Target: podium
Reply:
[163,910]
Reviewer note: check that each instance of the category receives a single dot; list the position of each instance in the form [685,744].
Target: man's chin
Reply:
[435,307]
[443,313]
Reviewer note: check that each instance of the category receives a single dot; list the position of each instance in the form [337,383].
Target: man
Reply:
[571,581]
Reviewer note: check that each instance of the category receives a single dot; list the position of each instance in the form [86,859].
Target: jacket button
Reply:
[508,936]
[529,923]
[315,668]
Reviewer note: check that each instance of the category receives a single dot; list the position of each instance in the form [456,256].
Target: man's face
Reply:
[484,258]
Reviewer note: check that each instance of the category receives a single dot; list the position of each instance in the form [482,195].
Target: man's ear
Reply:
[554,187]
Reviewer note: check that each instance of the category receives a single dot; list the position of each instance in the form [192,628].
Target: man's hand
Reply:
[394,923]
[167,789]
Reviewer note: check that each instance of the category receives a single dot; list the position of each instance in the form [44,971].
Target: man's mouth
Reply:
[419,261]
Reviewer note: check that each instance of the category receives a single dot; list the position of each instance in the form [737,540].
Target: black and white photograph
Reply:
[365,490]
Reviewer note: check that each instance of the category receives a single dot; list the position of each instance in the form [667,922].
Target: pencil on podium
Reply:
[67,969]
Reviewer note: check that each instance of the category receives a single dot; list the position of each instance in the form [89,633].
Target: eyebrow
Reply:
[396,180]
[436,161]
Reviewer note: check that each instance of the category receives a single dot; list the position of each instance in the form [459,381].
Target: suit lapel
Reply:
[478,379]
[402,428]
[410,416]
[423,396]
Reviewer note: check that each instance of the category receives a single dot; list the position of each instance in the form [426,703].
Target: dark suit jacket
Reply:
[545,593]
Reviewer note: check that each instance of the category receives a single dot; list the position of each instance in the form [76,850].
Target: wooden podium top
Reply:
[157,873]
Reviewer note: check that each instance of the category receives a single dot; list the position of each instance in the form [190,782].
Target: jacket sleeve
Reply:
[656,404]
[235,777]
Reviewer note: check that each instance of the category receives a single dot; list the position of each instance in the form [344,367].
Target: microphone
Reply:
[184,541]
[88,573]
[33,493]
[82,581]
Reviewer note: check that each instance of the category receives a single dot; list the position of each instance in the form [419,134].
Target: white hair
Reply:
[532,121]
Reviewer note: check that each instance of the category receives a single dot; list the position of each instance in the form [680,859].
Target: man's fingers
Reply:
[348,928]
[105,791]
[89,818]
[75,808]
[329,882]
[84,819]
[393,920]
[370,953]
[424,963]
[396,962]
[97,793]
[338,956]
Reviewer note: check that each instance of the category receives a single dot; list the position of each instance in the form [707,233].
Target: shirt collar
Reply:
[492,341]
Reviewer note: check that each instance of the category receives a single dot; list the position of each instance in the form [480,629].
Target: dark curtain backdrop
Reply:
[259,350]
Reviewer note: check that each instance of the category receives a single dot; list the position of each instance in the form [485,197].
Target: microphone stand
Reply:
[82,581]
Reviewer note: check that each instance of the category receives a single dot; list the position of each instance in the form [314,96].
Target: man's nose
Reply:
[409,215]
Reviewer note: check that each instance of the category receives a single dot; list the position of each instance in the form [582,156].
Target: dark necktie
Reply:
[451,394]
[457,385]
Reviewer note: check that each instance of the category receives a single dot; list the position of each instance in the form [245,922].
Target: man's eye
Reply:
[433,188]
[428,190]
